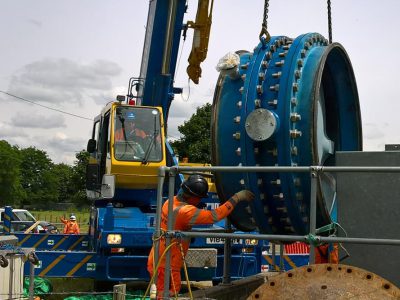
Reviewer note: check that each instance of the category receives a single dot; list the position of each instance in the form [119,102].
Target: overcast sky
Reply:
[77,55]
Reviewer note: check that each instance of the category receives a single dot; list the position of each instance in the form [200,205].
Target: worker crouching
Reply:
[185,215]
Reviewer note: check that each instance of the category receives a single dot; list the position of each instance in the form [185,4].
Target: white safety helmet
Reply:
[72,218]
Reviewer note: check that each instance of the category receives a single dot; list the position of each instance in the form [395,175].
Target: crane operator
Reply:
[129,129]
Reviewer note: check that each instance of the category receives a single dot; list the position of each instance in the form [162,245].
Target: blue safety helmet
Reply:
[130,116]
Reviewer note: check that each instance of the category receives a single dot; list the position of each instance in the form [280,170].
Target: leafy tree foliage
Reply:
[11,192]
[38,180]
[28,177]
[63,173]
[196,141]
[78,178]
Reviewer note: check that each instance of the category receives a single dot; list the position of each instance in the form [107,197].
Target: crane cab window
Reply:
[137,134]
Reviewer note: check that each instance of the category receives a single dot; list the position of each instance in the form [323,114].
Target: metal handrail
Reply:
[314,173]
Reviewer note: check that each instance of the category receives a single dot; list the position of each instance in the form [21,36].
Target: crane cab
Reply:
[127,142]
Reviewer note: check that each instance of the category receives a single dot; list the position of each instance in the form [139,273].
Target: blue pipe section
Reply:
[308,89]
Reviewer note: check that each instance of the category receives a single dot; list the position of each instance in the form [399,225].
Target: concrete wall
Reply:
[369,207]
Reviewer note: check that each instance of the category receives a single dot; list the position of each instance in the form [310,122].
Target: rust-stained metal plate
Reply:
[326,281]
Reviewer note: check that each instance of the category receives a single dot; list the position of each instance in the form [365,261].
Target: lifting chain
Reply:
[264,34]
[329,21]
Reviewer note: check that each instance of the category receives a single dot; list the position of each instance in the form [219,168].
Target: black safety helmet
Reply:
[195,186]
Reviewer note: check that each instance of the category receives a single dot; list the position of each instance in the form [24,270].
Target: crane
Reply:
[128,164]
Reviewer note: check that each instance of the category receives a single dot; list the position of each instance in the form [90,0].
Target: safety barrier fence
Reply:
[312,238]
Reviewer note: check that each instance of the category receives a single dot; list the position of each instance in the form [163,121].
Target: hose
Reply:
[186,272]
[158,265]
[156,268]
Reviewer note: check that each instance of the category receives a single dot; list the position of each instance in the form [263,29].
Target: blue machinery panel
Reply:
[54,242]
[65,264]
[289,103]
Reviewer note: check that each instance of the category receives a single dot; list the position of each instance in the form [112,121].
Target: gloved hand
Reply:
[244,195]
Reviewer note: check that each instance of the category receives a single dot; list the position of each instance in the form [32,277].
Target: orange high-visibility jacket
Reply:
[184,217]
[70,227]
[119,134]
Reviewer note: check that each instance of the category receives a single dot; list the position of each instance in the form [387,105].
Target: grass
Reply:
[53,216]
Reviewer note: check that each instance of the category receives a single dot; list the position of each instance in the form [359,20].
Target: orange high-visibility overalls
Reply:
[184,217]
[327,253]
[70,227]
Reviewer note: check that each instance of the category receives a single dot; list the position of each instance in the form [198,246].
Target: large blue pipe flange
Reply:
[289,103]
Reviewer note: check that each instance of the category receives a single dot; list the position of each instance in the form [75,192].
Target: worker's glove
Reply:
[244,195]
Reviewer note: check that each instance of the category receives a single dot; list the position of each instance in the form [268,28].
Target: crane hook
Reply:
[264,34]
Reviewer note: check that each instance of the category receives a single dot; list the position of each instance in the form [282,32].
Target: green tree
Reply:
[78,179]
[38,180]
[11,192]
[196,141]
[65,187]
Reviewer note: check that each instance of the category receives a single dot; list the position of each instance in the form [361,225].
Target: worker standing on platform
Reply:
[185,215]
[70,226]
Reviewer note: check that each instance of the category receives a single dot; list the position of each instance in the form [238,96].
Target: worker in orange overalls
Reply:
[327,253]
[70,226]
[185,215]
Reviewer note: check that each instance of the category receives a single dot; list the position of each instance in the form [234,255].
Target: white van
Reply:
[21,219]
